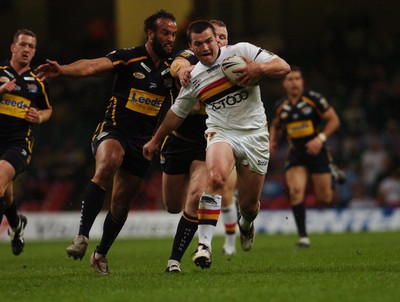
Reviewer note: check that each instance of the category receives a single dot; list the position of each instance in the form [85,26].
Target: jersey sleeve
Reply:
[320,101]
[255,53]
[184,102]
[188,55]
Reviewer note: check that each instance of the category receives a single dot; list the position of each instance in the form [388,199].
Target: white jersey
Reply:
[228,106]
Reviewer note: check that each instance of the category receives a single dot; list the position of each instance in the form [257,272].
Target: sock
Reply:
[185,231]
[92,203]
[111,229]
[12,216]
[1,209]
[246,219]
[229,218]
[209,210]
[299,213]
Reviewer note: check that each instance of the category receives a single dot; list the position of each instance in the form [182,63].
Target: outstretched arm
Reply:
[81,68]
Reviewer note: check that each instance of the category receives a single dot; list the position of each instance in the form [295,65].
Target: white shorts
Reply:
[251,148]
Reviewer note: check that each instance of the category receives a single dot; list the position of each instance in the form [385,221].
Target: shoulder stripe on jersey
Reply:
[212,91]
[130,61]
[312,104]
[280,107]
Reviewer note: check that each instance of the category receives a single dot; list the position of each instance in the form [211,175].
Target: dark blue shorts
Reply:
[178,154]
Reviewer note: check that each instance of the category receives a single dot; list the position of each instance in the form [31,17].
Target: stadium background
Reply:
[349,51]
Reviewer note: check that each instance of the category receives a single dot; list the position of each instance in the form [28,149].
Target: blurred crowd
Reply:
[356,70]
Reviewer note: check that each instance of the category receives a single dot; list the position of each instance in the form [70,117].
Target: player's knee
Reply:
[325,197]
[217,182]
[296,194]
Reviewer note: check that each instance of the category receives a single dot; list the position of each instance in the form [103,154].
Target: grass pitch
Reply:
[338,267]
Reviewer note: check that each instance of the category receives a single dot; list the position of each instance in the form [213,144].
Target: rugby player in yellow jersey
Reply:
[142,83]
[24,101]
[308,120]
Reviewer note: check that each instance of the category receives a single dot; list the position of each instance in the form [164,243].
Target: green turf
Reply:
[338,267]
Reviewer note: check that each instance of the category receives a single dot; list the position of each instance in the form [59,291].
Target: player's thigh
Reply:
[174,191]
[249,185]
[7,173]
[322,183]
[109,157]
[220,162]
[296,180]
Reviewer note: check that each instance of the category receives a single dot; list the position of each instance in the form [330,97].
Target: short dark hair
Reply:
[151,21]
[198,27]
[295,68]
[23,31]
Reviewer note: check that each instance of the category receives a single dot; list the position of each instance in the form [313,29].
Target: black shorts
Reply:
[134,161]
[315,164]
[17,155]
[178,154]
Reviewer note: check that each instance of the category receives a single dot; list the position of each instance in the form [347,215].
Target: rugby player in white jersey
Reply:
[237,131]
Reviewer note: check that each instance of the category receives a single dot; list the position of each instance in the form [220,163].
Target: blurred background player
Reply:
[237,133]
[184,172]
[141,74]
[307,120]
[24,101]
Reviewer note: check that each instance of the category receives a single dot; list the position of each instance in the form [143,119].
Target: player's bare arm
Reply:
[275,134]
[8,87]
[275,68]
[315,145]
[81,68]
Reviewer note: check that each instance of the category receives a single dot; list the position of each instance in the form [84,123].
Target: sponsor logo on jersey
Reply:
[300,129]
[165,71]
[139,75]
[284,115]
[153,85]
[144,102]
[306,110]
[145,67]
[9,74]
[32,88]
[24,153]
[230,100]
[14,105]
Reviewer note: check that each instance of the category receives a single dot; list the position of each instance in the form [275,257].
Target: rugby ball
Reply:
[233,62]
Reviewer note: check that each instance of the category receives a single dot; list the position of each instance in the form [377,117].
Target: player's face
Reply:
[205,46]
[23,50]
[294,83]
[163,39]
[221,34]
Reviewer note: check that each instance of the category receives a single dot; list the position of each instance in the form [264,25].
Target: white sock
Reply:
[209,211]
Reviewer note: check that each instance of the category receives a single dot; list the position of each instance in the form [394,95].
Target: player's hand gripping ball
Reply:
[234,62]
